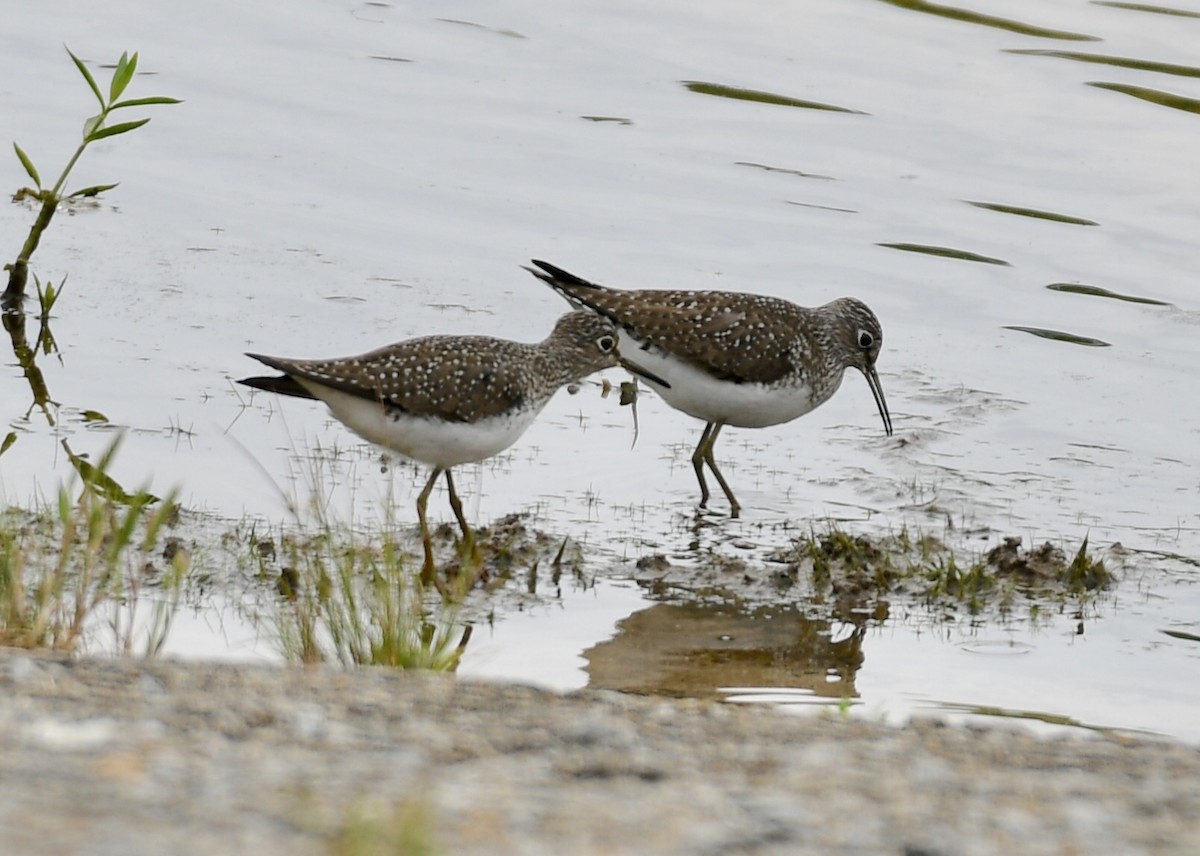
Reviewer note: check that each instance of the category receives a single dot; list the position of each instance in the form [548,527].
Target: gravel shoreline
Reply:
[102,756]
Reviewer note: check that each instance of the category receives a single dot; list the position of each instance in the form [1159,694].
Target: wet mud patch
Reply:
[355,597]
[833,566]
[509,555]
[792,627]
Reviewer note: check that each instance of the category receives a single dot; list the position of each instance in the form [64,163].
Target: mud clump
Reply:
[1048,565]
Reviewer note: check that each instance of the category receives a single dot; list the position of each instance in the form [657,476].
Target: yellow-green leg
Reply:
[704,455]
[698,464]
[428,569]
[469,551]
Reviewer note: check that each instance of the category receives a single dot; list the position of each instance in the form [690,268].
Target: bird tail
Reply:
[282,384]
[578,291]
[556,277]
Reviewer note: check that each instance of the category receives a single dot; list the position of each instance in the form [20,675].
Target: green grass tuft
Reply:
[69,570]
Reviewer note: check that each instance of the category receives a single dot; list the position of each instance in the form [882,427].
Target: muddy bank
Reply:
[130,757]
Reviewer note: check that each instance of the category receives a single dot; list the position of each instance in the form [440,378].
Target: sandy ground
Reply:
[132,757]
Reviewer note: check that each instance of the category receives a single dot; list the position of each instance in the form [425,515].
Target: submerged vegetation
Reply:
[358,601]
[79,570]
[330,589]
[353,596]
[922,566]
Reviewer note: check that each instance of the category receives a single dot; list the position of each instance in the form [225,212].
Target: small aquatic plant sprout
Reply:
[95,128]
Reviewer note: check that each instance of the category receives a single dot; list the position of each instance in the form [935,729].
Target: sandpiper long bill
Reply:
[745,360]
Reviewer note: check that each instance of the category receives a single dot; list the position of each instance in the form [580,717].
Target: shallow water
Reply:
[316,196]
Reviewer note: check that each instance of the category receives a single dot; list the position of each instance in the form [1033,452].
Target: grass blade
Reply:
[96,478]
[87,75]
[113,130]
[143,102]
[723,91]
[1154,96]
[1097,291]
[946,252]
[94,190]
[29,167]
[126,66]
[1061,336]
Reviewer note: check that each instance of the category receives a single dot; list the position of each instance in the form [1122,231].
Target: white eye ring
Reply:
[607,344]
[865,339]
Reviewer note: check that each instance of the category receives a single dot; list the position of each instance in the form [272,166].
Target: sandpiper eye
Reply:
[607,344]
[865,340]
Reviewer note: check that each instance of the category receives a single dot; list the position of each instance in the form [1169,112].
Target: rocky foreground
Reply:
[137,757]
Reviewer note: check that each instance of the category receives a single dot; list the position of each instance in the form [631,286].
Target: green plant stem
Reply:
[18,273]
[56,193]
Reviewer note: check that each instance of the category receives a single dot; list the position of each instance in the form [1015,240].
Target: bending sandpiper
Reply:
[448,400]
[744,360]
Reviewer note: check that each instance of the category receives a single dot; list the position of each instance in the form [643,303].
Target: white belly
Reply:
[742,405]
[430,441]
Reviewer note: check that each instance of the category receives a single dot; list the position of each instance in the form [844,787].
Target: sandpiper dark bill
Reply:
[448,400]
[744,360]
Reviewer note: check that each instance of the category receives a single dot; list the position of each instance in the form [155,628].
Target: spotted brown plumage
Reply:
[448,400]
[455,378]
[730,358]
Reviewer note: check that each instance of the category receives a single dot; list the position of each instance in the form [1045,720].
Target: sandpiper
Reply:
[745,360]
[448,400]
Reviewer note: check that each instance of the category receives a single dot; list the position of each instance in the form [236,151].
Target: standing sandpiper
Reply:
[745,360]
[448,400]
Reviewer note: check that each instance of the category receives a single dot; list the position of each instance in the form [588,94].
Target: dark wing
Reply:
[455,378]
[732,336]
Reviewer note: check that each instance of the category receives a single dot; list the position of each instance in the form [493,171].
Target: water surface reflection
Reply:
[699,649]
